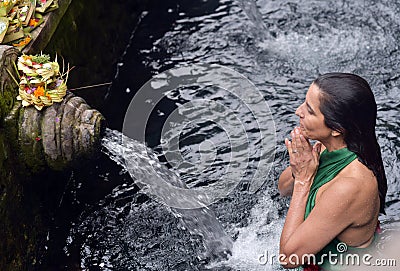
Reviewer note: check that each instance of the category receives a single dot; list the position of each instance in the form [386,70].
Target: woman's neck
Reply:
[334,144]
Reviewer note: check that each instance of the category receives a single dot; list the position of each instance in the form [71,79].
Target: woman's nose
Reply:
[299,111]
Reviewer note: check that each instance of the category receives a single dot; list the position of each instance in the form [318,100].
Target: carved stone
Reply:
[59,135]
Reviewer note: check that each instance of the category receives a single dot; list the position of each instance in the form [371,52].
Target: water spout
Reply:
[142,163]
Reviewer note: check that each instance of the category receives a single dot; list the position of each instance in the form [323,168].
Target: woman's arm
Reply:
[294,218]
[286,182]
[301,238]
[304,161]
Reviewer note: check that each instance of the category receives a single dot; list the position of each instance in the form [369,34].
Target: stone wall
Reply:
[35,145]
[38,148]
[21,225]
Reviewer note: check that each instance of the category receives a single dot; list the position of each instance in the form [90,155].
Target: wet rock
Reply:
[8,88]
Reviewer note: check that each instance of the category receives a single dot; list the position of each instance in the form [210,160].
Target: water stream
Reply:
[280,46]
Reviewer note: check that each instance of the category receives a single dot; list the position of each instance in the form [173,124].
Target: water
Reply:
[280,46]
[147,171]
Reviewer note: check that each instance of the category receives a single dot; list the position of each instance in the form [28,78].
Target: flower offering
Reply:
[41,82]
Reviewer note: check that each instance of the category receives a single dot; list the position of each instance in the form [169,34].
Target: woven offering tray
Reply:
[41,82]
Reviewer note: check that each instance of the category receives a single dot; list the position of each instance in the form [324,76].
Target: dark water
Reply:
[107,223]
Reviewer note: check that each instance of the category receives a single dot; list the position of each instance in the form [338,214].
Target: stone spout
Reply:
[60,135]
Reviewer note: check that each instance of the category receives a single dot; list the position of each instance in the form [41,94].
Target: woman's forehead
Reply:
[312,97]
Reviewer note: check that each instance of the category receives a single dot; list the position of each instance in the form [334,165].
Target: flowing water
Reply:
[280,46]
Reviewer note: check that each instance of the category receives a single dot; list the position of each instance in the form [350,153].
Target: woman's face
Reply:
[312,122]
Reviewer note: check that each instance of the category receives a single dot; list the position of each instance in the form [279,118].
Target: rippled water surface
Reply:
[280,46]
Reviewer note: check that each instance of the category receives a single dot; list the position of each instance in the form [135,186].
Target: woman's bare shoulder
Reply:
[358,171]
[354,179]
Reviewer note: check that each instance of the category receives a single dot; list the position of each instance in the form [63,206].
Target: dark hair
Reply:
[349,107]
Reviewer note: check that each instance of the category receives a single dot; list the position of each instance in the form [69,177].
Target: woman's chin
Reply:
[305,134]
[303,131]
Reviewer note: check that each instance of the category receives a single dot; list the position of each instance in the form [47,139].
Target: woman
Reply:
[338,186]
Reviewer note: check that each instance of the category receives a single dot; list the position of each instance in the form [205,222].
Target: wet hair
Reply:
[349,107]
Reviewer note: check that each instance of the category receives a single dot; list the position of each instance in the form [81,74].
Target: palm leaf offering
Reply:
[26,10]
[43,5]
[6,6]
[19,17]
[41,82]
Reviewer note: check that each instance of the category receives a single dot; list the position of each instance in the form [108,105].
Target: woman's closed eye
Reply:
[309,109]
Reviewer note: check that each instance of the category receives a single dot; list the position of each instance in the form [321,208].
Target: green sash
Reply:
[330,164]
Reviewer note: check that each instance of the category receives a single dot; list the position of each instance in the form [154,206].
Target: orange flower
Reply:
[23,42]
[39,92]
[33,22]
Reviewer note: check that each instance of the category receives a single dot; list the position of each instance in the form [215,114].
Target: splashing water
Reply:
[257,245]
[142,163]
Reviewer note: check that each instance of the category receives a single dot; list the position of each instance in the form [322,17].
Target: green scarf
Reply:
[330,164]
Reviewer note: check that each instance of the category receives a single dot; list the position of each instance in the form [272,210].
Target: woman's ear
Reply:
[335,133]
